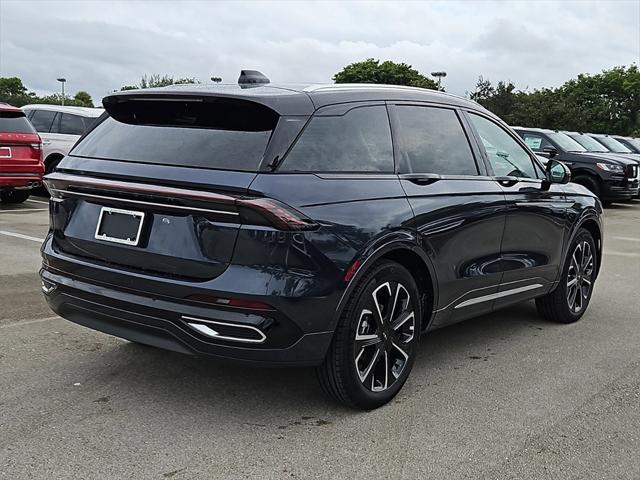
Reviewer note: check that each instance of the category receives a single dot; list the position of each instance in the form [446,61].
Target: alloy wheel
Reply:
[580,277]
[384,336]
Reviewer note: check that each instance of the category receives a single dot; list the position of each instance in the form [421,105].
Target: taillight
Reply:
[275,212]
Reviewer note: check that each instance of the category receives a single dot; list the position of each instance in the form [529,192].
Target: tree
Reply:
[13,91]
[83,98]
[607,102]
[155,80]
[388,72]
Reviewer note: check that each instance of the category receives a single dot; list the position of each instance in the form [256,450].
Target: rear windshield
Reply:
[215,138]
[15,122]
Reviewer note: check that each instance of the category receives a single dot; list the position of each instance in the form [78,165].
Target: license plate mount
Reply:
[119,226]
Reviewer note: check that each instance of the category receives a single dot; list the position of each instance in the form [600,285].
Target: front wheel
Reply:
[568,302]
[376,339]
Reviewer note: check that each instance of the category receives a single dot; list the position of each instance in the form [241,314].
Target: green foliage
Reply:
[155,80]
[13,92]
[388,72]
[607,102]
[84,98]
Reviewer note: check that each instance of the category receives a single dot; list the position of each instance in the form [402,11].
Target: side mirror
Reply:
[550,151]
[557,172]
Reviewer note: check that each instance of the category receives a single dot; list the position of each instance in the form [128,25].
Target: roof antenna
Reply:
[251,78]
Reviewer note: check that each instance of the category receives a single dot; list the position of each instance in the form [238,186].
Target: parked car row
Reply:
[33,140]
[606,165]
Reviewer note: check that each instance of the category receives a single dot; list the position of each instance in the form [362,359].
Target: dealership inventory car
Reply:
[21,166]
[611,177]
[328,225]
[60,127]
[632,144]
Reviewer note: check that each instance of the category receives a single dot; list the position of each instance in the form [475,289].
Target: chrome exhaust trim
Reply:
[204,327]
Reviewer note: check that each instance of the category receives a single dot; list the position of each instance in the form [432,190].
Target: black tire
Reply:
[557,305]
[396,329]
[14,196]
[51,163]
[590,183]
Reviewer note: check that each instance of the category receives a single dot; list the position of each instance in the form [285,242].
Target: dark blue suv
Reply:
[310,225]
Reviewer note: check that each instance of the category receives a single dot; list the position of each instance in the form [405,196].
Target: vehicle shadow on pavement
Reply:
[250,393]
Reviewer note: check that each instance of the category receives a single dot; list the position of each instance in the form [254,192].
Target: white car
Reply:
[60,127]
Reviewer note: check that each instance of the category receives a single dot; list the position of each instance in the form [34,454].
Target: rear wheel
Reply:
[568,302]
[376,339]
[14,196]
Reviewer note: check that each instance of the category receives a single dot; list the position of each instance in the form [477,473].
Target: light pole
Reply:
[62,80]
[439,76]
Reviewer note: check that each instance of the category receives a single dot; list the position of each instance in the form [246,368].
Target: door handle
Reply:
[507,180]
[421,178]
[46,142]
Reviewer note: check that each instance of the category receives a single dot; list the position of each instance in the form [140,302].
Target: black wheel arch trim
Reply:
[587,216]
[397,242]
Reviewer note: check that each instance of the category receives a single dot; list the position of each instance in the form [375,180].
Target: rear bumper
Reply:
[168,323]
[20,180]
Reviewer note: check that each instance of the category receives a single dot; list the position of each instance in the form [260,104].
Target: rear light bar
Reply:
[261,211]
[230,302]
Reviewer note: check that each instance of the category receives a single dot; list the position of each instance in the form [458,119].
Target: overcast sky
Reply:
[101,45]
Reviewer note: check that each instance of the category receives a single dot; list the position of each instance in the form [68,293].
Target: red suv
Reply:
[21,166]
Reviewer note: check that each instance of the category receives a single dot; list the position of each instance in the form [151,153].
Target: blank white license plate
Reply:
[119,226]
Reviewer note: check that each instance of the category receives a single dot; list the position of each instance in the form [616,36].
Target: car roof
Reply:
[301,99]
[83,111]
[5,107]
[535,129]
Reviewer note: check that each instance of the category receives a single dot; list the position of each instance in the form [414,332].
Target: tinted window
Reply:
[183,146]
[358,141]
[431,140]
[506,156]
[14,122]
[42,120]
[71,124]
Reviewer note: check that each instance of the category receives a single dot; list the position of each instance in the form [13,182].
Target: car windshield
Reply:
[589,143]
[613,145]
[566,142]
[634,141]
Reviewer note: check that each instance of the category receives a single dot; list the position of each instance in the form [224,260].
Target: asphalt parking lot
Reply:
[507,395]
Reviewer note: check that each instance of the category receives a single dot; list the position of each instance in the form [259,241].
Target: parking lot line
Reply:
[19,235]
[13,212]
[38,201]
[28,322]
[622,254]
[627,239]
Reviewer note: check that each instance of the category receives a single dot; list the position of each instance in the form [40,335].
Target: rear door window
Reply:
[432,140]
[42,120]
[71,124]
[358,141]
[14,122]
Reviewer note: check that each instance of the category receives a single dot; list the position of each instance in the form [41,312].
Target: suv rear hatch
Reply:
[161,185]
[20,149]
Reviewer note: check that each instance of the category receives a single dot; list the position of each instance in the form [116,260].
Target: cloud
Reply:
[100,46]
